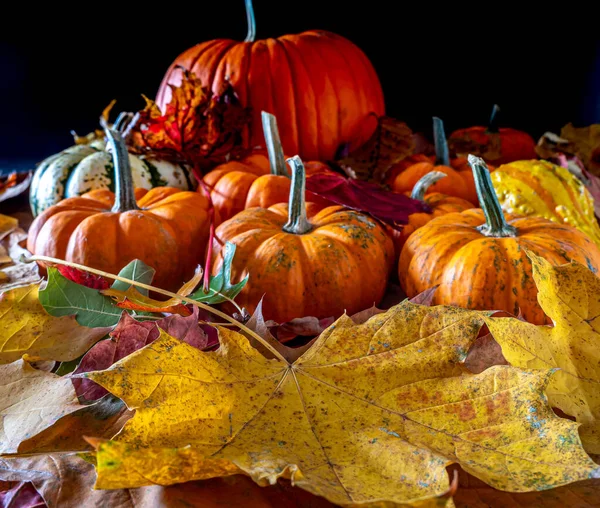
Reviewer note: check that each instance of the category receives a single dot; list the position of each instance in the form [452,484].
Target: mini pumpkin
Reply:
[88,165]
[258,180]
[321,87]
[495,145]
[478,258]
[542,189]
[439,204]
[459,182]
[168,229]
[306,262]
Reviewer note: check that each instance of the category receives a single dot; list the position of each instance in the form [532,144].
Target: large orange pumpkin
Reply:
[495,145]
[439,204]
[478,257]
[459,182]
[166,228]
[306,262]
[319,85]
[261,179]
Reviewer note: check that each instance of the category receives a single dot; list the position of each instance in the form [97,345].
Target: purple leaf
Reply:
[22,495]
[386,206]
[130,335]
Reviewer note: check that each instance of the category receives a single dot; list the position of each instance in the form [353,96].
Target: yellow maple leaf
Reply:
[570,295]
[370,414]
[26,328]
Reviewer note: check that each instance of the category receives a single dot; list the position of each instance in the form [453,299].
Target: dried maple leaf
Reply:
[585,144]
[391,142]
[21,495]
[197,126]
[387,206]
[371,413]
[130,335]
[14,185]
[31,401]
[569,295]
[17,272]
[28,329]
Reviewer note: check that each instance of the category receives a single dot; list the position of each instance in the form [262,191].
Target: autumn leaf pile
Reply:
[163,402]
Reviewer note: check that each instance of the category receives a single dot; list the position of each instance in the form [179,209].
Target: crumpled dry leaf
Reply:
[31,401]
[130,335]
[484,353]
[585,144]
[568,294]
[20,495]
[197,126]
[26,328]
[370,412]
[7,225]
[391,142]
[16,272]
[14,185]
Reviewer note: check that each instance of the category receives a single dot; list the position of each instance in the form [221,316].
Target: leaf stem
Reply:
[208,308]
[251,36]
[297,223]
[273,142]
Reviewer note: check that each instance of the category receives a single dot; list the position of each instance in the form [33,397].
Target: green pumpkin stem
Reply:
[442,154]
[273,142]
[495,223]
[251,36]
[493,123]
[124,191]
[424,183]
[297,223]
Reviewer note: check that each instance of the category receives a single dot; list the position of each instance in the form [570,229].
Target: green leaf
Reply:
[138,271]
[220,285]
[62,297]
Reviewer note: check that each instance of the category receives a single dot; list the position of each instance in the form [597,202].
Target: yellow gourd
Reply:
[542,189]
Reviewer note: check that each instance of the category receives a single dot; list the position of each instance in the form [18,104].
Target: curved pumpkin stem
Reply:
[251,36]
[297,223]
[493,123]
[273,142]
[442,154]
[124,191]
[495,223]
[424,183]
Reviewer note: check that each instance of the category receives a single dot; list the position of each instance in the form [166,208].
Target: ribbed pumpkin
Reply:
[440,204]
[320,86]
[88,165]
[306,263]
[495,145]
[261,179]
[167,229]
[459,182]
[478,257]
[542,189]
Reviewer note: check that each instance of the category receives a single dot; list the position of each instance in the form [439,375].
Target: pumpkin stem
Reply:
[495,223]
[424,183]
[251,22]
[273,142]
[442,154]
[297,223]
[493,123]
[124,191]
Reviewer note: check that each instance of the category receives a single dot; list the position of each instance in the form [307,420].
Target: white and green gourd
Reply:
[88,165]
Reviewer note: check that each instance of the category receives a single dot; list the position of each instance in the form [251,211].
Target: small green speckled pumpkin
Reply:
[88,165]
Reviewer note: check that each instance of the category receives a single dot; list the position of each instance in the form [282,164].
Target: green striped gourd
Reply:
[88,165]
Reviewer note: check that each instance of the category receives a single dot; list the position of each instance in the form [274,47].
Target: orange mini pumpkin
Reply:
[168,229]
[478,257]
[258,180]
[459,182]
[495,145]
[306,262]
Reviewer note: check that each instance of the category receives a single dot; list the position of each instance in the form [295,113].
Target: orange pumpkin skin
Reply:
[478,259]
[320,86]
[169,233]
[312,274]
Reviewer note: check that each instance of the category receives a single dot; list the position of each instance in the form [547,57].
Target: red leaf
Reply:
[22,495]
[86,279]
[389,207]
[130,335]
[197,126]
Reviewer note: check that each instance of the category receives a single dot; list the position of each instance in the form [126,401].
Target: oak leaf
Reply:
[26,328]
[570,295]
[371,413]
[31,401]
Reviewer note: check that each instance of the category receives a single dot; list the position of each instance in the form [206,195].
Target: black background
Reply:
[61,65]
